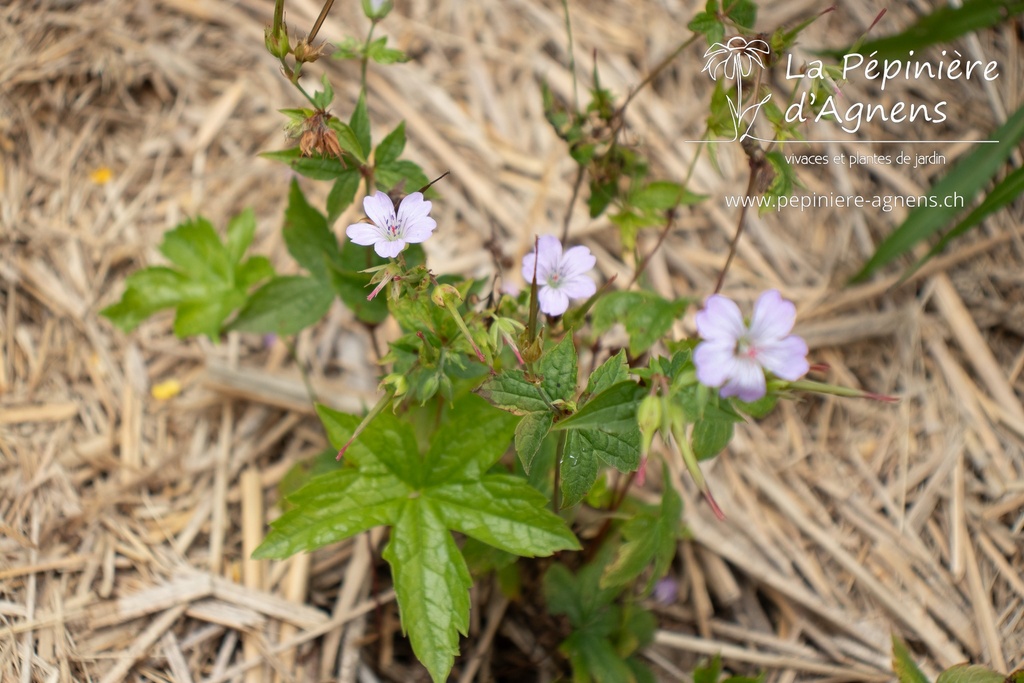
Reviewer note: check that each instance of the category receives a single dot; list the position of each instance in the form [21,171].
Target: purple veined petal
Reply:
[747,382]
[720,320]
[575,262]
[549,251]
[364,233]
[715,361]
[785,358]
[773,318]
[380,209]
[389,248]
[413,207]
[552,301]
[579,287]
[419,229]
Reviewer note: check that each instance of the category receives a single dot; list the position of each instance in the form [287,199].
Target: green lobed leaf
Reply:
[966,178]
[285,306]
[148,291]
[612,410]
[663,195]
[743,12]
[206,316]
[402,173]
[593,658]
[530,433]
[307,236]
[432,583]
[903,664]
[379,52]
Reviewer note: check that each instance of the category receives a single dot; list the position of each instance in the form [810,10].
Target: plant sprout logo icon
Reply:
[735,60]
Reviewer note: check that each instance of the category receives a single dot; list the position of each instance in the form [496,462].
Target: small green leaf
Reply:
[660,196]
[613,410]
[903,664]
[402,173]
[379,52]
[743,12]
[390,148]
[322,98]
[511,391]
[197,251]
[710,672]
[646,316]
[342,194]
[284,306]
[472,437]
[360,124]
[307,236]
[530,433]
[585,448]
[557,369]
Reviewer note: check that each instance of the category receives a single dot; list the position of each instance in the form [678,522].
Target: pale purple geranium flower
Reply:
[734,355]
[389,233]
[560,276]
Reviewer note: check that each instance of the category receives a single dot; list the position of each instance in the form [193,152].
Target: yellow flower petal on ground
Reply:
[101,175]
[166,390]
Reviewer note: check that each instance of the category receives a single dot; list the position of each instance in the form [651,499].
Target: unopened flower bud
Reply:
[648,416]
[444,294]
[277,41]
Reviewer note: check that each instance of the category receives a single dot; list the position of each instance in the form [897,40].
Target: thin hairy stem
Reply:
[572,203]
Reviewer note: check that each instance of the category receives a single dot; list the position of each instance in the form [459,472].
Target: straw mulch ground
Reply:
[125,520]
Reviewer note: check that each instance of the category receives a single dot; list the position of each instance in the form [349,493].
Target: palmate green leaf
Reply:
[966,178]
[209,280]
[284,306]
[610,372]
[386,481]
[650,537]
[942,26]
[379,52]
[903,664]
[390,148]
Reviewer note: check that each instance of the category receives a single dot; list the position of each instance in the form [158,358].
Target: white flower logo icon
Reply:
[735,59]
